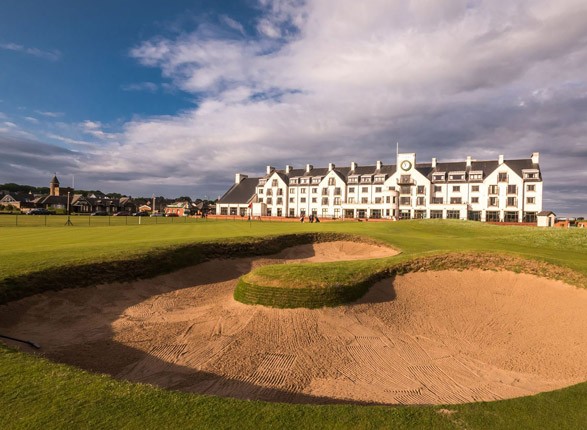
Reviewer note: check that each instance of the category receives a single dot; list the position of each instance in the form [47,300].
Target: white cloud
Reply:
[52,55]
[141,86]
[50,114]
[231,23]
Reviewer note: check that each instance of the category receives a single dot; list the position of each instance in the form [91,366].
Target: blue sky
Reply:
[173,98]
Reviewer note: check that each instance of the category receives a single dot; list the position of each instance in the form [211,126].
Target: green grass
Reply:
[35,393]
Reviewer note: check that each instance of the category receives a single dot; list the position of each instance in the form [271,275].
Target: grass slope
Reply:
[35,393]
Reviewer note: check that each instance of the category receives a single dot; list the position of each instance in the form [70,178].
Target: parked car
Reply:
[171,214]
[157,214]
[141,214]
[122,213]
[99,213]
[40,211]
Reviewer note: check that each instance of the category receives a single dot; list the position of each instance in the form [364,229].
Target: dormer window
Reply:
[438,176]
[366,179]
[353,179]
[316,180]
[476,176]
[379,179]
[531,174]
[294,181]
[456,176]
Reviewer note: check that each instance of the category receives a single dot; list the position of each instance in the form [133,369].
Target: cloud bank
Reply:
[330,81]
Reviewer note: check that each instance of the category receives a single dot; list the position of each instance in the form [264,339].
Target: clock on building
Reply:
[406,165]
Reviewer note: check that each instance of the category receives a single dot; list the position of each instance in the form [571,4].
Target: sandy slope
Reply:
[431,337]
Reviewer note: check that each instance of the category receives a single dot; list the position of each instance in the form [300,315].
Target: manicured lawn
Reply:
[35,393]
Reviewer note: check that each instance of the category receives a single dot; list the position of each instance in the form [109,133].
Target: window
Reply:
[512,201]
[455,200]
[269,200]
[530,175]
[324,191]
[337,191]
[302,191]
[274,183]
[512,189]
[405,179]
[269,192]
[405,189]
[421,189]
[493,189]
[458,177]
[279,212]
[292,212]
[493,201]
[314,190]
[268,211]
[316,180]
[294,181]
[314,199]
[364,200]
[387,199]
[379,179]
[377,189]
[456,188]
[420,201]
[331,181]
[405,201]
[337,201]
[530,200]
[337,213]
[474,199]
[475,176]
[324,212]
[260,190]
[529,216]
[305,180]
[353,179]
[351,189]
[292,190]
[453,214]
[437,188]
[324,201]
[502,177]
[510,217]
[303,200]
[435,214]
[475,188]
[365,189]
[292,200]
[351,200]
[474,215]
[437,200]
[260,200]
[376,213]
[233,211]
[438,177]
[530,188]
[366,179]
[378,200]
[492,216]
[223,211]
[280,191]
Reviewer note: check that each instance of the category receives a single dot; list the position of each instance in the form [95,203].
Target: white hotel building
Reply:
[493,190]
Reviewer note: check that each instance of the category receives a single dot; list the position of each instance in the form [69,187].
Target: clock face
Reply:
[406,165]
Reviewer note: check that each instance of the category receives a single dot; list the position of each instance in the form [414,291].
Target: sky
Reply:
[173,98]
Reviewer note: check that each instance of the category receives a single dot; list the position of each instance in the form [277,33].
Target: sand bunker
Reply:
[422,338]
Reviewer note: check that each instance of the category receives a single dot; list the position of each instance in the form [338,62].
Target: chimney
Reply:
[434,163]
[331,166]
[379,164]
[308,168]
[270,169]
[353,165]
[535,157]
[239,177]
[288,169]
[500,159]
[468,161]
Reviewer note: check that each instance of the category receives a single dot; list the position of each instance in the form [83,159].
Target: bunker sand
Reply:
[423,338]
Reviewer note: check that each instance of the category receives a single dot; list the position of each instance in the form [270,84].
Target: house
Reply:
[497,190]
[546,218]
[21,201]
[179,208]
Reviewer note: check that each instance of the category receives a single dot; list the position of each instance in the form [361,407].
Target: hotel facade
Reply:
[494,190]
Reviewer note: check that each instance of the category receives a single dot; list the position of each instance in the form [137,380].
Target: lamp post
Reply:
[68,211]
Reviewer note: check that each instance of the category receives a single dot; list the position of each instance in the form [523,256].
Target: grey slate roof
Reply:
[240,193]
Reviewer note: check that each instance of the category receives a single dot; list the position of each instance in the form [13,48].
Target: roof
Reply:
[546,213]
[240,193]
[54,181]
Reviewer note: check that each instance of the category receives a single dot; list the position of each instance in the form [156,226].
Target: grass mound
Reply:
[332,284]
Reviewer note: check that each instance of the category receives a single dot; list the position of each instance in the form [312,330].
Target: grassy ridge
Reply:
[35,393]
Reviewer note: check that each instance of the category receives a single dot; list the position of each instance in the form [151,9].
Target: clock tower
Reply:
[406,162]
